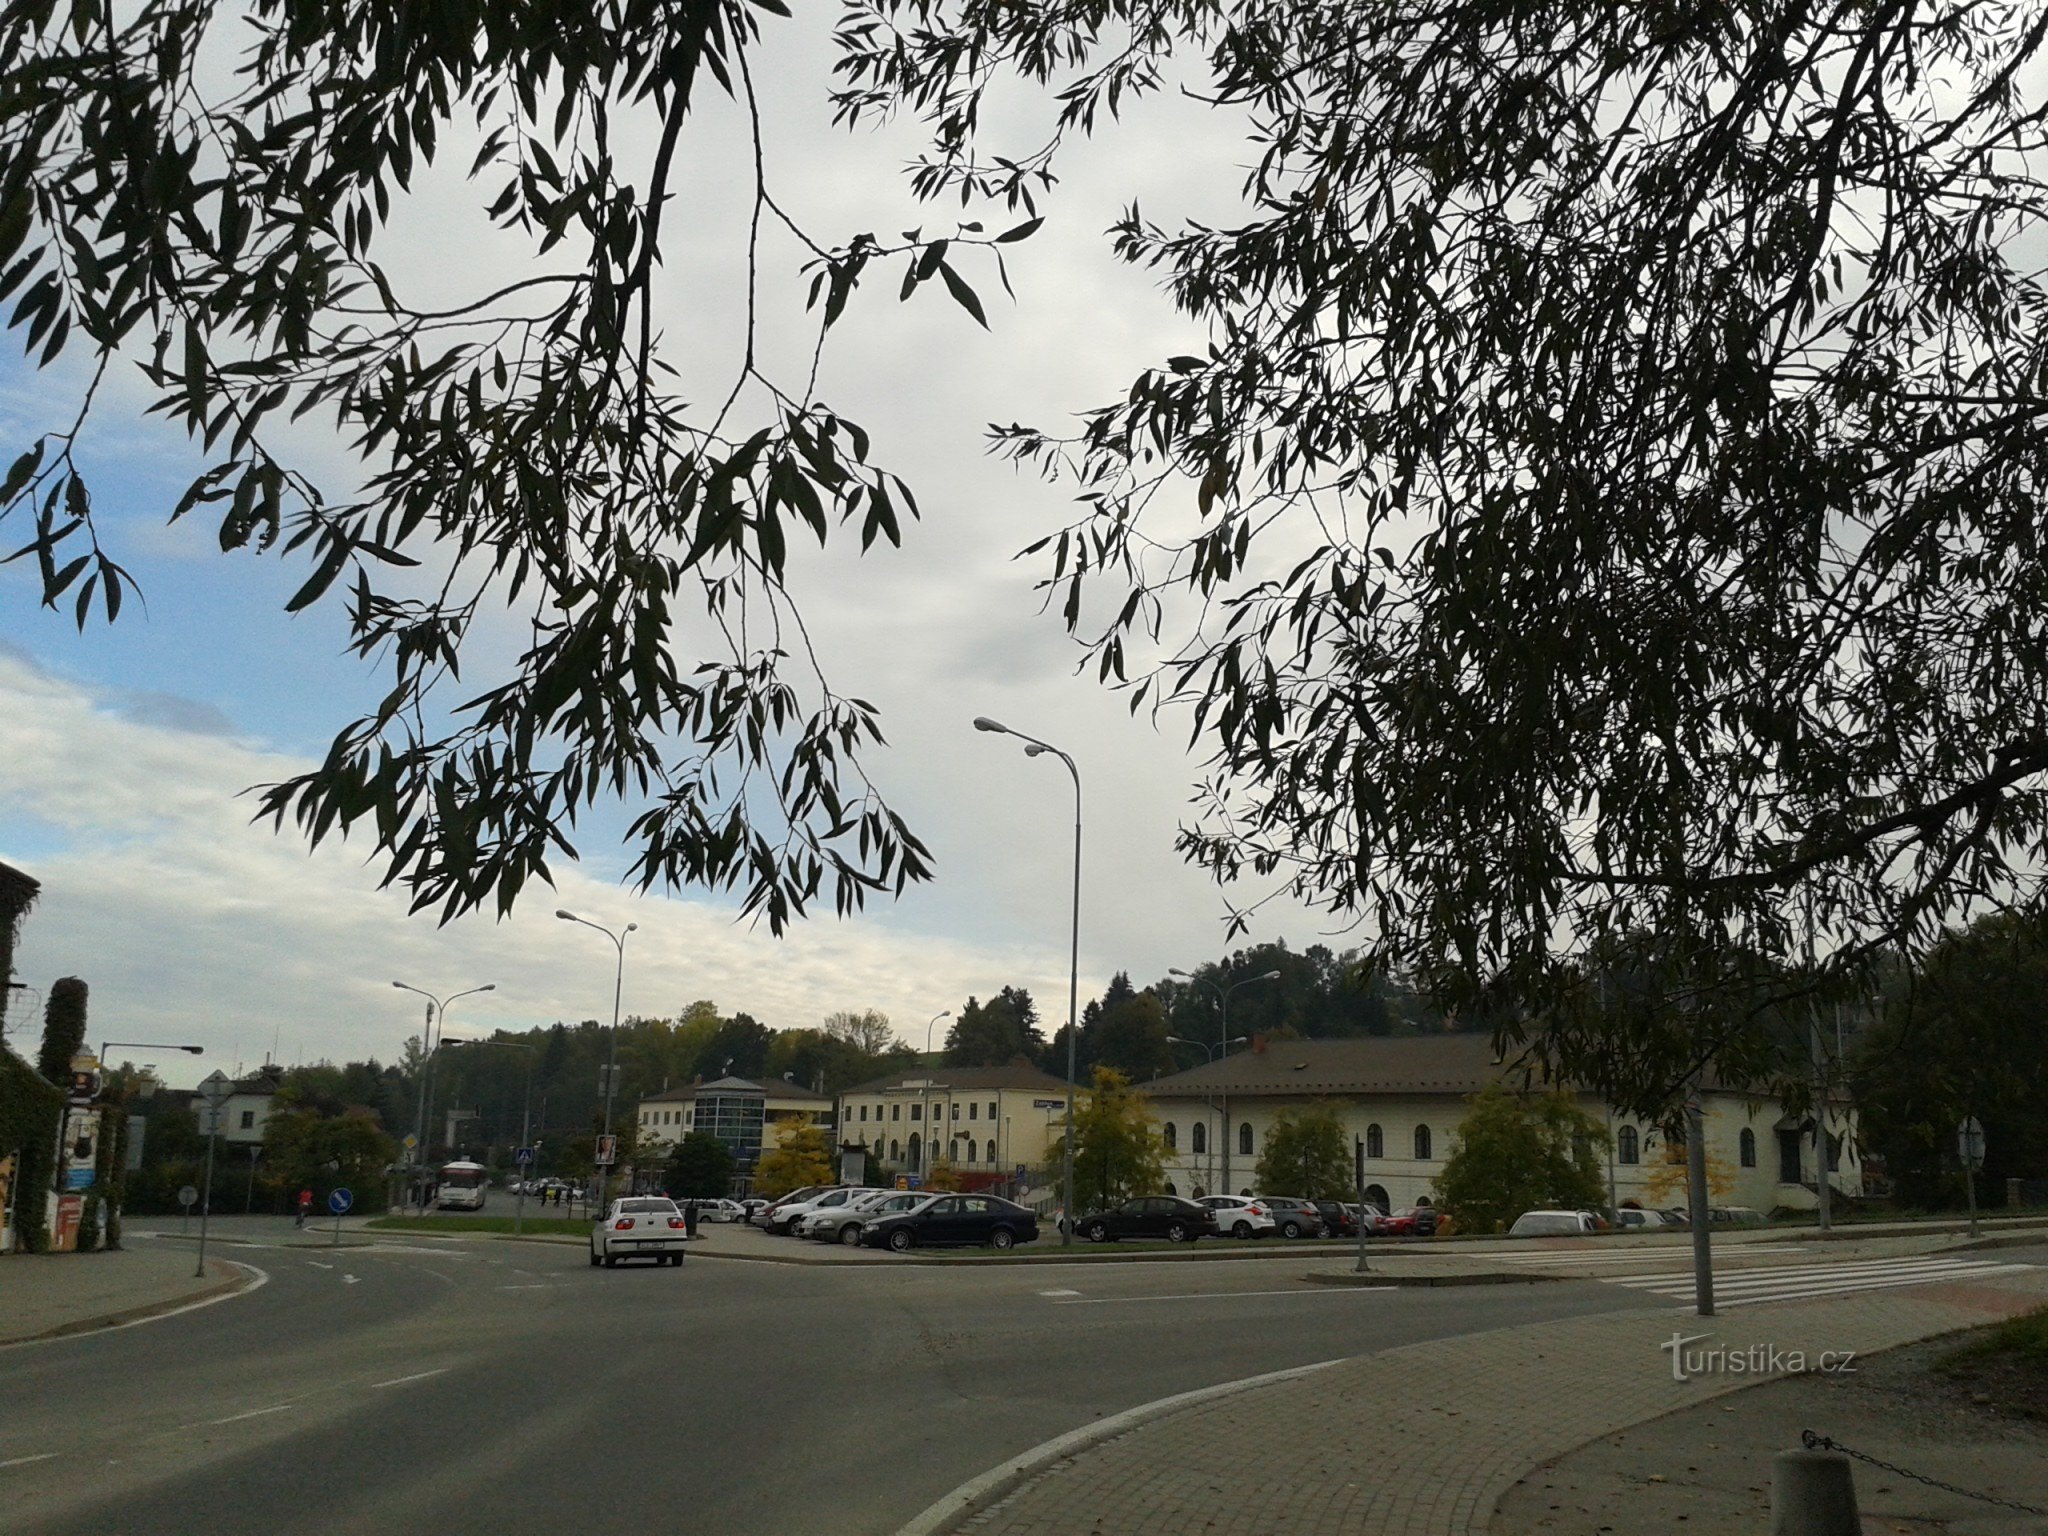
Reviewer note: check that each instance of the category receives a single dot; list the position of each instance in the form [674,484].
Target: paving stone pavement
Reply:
[44,1292]
[1424,1440]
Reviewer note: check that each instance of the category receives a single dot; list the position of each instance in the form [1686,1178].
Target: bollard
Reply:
[1812,1494]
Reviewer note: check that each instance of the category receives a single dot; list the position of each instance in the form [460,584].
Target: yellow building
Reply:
[987,1121]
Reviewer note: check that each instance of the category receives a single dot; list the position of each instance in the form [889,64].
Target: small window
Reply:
[1627,1148]
[895,1111]
[970,1151]
[863,1111]
[956,1111]
[974,1109]
[1422,1143]
[895,1151]
[1199,1138]
[1171,1136]
[248,1119]
[917,1111]
[1244,1140]
[1375,1142]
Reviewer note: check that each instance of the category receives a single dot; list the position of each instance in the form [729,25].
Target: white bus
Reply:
[461,1187]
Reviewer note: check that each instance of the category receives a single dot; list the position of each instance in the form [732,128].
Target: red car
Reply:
[1415,1221]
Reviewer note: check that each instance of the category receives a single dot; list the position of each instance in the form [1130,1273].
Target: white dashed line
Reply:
[22,1461]
[1321,1290]
[253,1413]
[399,1381]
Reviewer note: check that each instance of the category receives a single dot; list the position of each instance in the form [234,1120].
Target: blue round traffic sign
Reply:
[338,1201]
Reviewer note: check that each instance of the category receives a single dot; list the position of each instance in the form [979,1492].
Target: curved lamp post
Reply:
[1223,1034]
[437,1009]
[1210,1051]
[1032,748]
[924,1172]
[611,1061]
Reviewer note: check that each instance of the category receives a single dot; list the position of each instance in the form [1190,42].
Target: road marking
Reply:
[399,1381]
[318,1265]
[350,1280]
[1808,1282]
[541,1285]
[22,1461]
[262,1278]
[1321,1290]
[253,1413]
[1059,1293]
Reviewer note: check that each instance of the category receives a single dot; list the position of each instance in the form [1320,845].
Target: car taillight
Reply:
[623,1224]
[675,1221]
[1256,1210]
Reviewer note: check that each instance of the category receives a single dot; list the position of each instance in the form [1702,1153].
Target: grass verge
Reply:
[2006,1364]
[453,1224]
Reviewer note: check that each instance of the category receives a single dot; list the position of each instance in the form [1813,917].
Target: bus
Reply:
[461,1187]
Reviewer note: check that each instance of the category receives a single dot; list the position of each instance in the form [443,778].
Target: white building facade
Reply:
[1401,1099]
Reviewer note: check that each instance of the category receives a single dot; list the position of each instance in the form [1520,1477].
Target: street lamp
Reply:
[437,1008]
[611,1063]
[525,1119]
[925,1162]
[1032,748]
[1223,1032]
[1210,1051]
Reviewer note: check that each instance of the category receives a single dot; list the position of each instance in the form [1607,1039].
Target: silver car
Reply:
[846,1223]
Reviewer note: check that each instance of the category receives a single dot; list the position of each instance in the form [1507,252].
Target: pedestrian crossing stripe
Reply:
[1659,1255]
[1805,1282]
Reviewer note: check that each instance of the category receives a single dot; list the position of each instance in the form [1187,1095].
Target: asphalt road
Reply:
[449,1387]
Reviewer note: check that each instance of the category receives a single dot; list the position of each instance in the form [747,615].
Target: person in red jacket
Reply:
[305,1207]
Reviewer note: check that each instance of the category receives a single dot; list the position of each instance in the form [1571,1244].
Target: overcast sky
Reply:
[124,752]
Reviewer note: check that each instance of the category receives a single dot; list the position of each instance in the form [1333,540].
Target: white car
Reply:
[769,1216]
[638,1226]
[816,1218]
[845,1223]
[1241,1216]
[1557,1224]
[782,1219]
[718,1210]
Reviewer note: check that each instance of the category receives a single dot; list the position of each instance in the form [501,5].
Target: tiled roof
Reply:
[1449,1064]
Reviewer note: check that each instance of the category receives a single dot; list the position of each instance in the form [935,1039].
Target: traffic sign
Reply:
[1970,1142]
[411,1142]
[523,1156]
[188,1196]
[215,1088]
[339,1200]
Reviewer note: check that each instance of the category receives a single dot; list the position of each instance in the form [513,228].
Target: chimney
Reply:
[1258,1044]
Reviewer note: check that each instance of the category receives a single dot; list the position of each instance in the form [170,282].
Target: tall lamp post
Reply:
[149,1045]
[925,1162]
[611,1062]
[1032,748]
[1223,1034]
[525,1118]
[1210,1051]
[437,1008]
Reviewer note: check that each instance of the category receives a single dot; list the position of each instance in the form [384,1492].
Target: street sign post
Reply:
[187,1198]
[338,1201]
[1358,1193]
[523,1157]
[607,1151]
[1970,1147]
[215,1089]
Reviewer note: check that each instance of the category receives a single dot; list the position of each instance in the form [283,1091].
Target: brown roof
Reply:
[1015,1074]
[1449,1064]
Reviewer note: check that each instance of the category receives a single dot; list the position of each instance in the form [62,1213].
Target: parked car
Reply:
[1171,1217]
[1557,1224]
[752,1206]
[1339,1219]
[1634,1220]
[720,1210]
[953,1221]
[1413,1221]
[1736,1216]
[782,1218]
[1240,1215]
[1293,1218]
[845,1223]
[638,1227]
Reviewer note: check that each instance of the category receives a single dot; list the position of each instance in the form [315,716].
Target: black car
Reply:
[954,1221]
[1167,1216]
[1339,1219]
[1295,1218]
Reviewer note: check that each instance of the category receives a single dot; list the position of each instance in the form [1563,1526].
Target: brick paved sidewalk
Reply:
[1425,1439]
[46,1294]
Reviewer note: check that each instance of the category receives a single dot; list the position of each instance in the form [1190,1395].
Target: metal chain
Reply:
[1814,1442]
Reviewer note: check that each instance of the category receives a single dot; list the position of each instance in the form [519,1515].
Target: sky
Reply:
[126,752]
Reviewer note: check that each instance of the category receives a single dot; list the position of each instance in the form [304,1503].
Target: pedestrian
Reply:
[305,1207]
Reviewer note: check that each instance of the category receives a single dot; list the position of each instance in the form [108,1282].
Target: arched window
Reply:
[1172,1137]
[1171,1190]
[1748,1148]
[1375,1142]
[1198,1140]
[895,1151]
[1422,1143]
[970,1151]
[1244,1138]
[1199,1192]
[953,1149]
[1376,1197]
[916,1147]
[1626,1147]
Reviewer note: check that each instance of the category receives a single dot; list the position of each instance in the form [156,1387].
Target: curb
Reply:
[1377,1278]
[977,1494]
[249,1279]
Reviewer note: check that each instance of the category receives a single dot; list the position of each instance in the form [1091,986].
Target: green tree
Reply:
[1581,526]
[994,1033]
[800,1156]
[1118,1151]
[867,1031]
[700,1168]
[1307,1155]
[1130,1035]
[306,1149]
[1959,1037]
[1517,1152]
[63,1030]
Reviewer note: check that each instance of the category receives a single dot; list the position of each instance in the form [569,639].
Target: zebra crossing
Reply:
[1804,1282]
[1594,1263]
